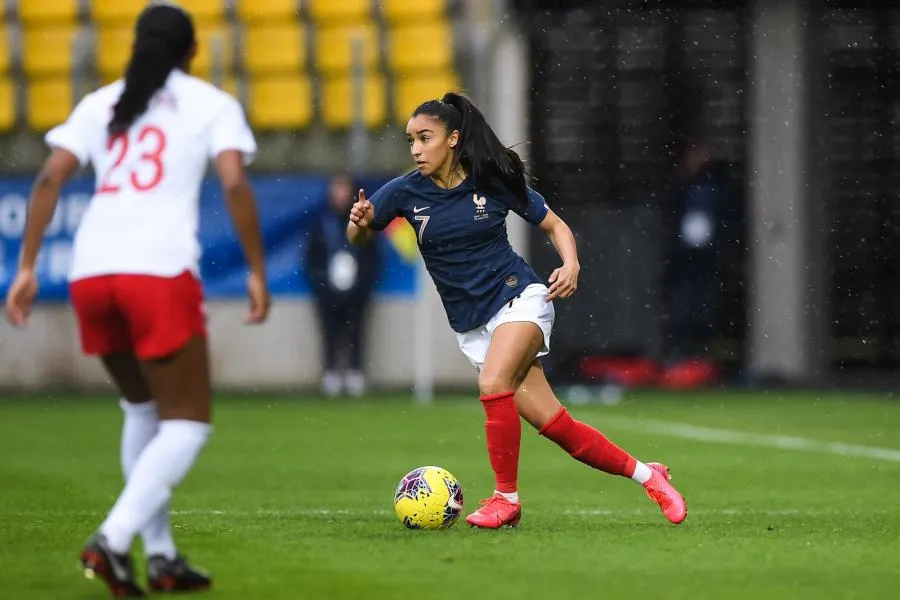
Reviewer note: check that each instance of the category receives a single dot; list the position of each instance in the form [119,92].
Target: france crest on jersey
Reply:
[462,237]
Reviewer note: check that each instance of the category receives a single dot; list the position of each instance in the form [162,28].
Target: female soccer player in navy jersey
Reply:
[458,198]
[134,275]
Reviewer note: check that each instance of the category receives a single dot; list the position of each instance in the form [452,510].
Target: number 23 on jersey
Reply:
[150,141]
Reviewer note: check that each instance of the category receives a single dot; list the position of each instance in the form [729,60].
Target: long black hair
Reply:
[164,35]
[479,151]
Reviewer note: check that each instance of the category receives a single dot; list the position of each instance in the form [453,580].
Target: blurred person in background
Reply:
[693,274]
[134,282]
[342,278]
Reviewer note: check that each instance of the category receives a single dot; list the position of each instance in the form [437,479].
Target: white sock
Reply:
[510,496]
[642,473]
[140,426]
[355,383]
[159,469]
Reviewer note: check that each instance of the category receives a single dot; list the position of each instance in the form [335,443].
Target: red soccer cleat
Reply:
[496,512]
[661,491]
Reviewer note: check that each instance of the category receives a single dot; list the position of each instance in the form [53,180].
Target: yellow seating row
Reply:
[264,48]
[273,102]
[321,11]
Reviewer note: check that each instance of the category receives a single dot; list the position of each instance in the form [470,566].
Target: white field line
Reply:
[325,513]
[743,438]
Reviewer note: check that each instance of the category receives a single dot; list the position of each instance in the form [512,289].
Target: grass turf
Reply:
[292,499]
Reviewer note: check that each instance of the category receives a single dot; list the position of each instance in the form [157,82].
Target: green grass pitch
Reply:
[292,499]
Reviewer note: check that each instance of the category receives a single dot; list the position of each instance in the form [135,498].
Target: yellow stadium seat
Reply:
[5,51]
[338,106]
[49,102]
[276,47]
[411,91]
[252,11]
[395,11]
[335,47]
[7,105]
[204,10]
[48,49]
[424,47]
[114,50]
[126,11]
[116,11]
[281,102]
[344,11]
[43,10]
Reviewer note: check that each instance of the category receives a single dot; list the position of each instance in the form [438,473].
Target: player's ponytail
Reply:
[164,36]
[479,152]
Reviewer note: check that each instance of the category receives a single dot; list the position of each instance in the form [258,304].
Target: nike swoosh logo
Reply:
[417,210]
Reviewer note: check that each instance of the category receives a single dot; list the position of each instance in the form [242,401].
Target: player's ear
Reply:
[454,138]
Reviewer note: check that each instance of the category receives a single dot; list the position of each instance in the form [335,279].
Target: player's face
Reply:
[430,144]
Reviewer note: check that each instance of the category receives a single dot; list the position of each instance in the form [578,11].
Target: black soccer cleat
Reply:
[165,575]
[117,570]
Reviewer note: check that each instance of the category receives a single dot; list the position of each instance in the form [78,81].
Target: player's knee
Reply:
[495,383]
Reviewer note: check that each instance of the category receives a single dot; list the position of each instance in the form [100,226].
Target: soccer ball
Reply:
[428,498]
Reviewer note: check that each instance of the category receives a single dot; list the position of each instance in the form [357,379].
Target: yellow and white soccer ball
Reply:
[428,498]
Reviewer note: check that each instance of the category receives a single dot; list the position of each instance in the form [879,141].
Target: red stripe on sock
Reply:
[588,445]
[503,431]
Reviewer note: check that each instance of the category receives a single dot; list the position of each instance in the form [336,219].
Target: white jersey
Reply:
[144,215]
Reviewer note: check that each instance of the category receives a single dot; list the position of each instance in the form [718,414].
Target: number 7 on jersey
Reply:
[424,220]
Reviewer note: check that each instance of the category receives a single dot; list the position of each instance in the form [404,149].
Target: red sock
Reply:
[588,445]
[503,431]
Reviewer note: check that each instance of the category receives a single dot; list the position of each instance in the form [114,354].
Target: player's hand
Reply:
[259,299]
[20,299]
[362,214]
[563,282]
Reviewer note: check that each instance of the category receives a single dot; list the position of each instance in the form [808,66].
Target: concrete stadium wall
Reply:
[282,354]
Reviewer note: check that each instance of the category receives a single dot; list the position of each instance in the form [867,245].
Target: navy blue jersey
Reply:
[462,237]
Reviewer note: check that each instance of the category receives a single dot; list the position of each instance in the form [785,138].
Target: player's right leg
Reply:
[166,323]
[511,349]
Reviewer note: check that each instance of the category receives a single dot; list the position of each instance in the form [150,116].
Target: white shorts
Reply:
[530,306]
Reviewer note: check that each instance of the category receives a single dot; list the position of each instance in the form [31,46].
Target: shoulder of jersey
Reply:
[110,90]
[402,182]
[411,179]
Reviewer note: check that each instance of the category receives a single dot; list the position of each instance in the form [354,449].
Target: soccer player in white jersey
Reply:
[134,278]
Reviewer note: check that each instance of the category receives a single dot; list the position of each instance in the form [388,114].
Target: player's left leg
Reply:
[539,406]
[511,350]
[140,426]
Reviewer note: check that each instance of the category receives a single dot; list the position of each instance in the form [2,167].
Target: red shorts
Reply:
[146,315]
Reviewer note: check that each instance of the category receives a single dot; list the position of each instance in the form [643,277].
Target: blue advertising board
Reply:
[286,206]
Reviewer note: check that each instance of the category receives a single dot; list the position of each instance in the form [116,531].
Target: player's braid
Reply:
[163,36]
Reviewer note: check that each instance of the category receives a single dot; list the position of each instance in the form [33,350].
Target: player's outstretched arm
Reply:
[362,215]
[58,168]
[564,280]
[242,207]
